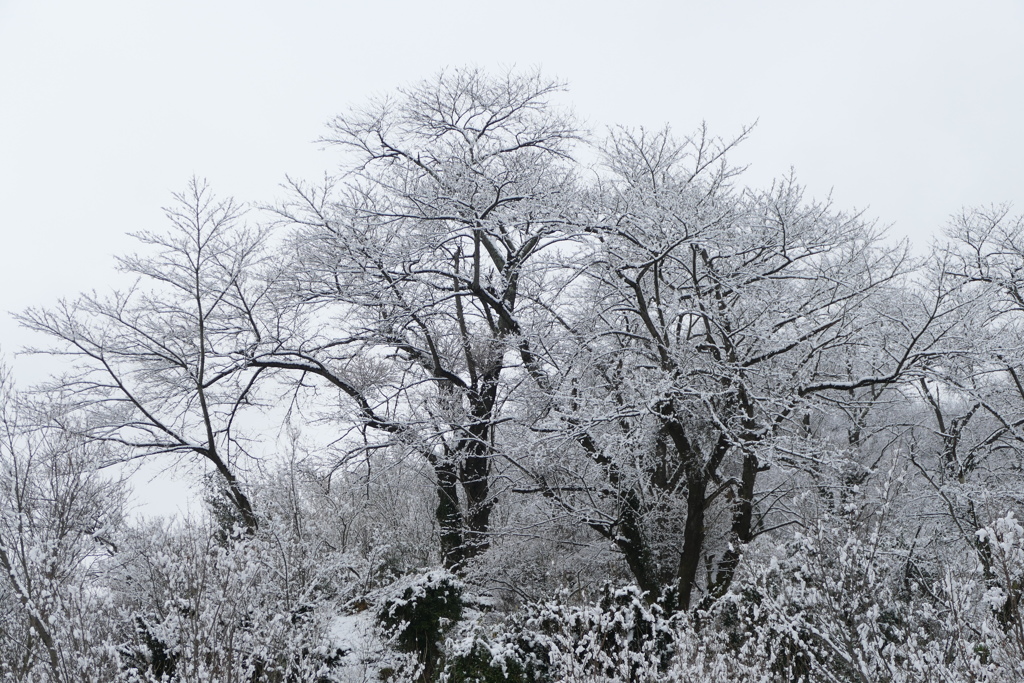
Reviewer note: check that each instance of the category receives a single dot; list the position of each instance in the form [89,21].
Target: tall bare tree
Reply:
[421,276]
[157,369]
[716,317]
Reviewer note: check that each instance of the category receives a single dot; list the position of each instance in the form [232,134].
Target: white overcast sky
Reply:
[911,110]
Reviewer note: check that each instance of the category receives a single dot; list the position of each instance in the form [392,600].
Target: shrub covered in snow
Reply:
[196,609]
[417,613]
[621,637]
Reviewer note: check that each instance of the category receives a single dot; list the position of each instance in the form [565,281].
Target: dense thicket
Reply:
[508,400]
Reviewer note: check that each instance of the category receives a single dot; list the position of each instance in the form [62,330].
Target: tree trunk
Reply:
[742,531]
[235,492]
[449,514]
[693,537]
[475,466]
[475,474]
[635,549]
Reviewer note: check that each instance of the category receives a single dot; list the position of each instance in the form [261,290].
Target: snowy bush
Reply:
[195,609]
[621,637]
[417,613]
[1002,543]
[833,605]
[57,517]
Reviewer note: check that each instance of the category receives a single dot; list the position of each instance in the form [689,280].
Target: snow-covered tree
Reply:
[157,370]
[716,319]
[422,275]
